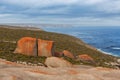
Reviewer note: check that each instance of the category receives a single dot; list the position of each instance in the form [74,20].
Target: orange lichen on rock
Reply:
[105,69]
[9,63]
[26,46]
[41,72]
[68,54]
[29,46]
[45,48]
[73,72]
[85,57]
[14,77]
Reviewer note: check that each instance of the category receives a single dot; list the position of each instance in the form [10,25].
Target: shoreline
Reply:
[87,45]
[36,28]
[75,45]
[107,52]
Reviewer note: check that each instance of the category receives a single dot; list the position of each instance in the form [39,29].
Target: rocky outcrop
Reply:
[68,54]
[34,47]
[45,48]
[85,57]
[57,62]
[13,71]
[118,61]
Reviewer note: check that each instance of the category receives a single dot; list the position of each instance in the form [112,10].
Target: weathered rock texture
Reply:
[68,54]
[85,57]
[13,71]
[33,47]
[57,62]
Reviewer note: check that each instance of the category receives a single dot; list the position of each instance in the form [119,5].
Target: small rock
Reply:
[118,61]
[85,57]
[24,63]
[117,65]
[29,64]
[40,64]
[68,54]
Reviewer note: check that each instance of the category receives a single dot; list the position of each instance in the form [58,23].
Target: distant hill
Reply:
[9,35]
[21,27]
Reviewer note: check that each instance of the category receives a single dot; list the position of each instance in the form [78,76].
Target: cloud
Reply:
[51,2]
[90,2]
[109,6]
[81,21]
[48,11]
[112,6]
[83,12]
[2,7]
[4,15]
[38,3]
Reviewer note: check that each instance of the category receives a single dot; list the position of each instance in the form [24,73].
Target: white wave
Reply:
[73,33]
[86,37]
[117,48]
[80,35]
[104,51]
[107,52]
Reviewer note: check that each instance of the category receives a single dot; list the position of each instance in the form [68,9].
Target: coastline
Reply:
[62,42]
[39,28]
[84,37]
[107,53]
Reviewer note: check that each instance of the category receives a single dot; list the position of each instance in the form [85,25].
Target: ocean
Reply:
[105,39]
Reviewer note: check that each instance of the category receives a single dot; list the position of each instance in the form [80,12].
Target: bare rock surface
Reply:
[85,57]
[14,71]
[57,62]
[68,54]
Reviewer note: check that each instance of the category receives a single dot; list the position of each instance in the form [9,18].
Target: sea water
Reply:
[106,39]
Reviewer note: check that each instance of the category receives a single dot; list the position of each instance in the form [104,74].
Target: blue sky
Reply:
[82,12]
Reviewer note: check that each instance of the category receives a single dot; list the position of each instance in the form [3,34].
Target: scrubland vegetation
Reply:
[8,37]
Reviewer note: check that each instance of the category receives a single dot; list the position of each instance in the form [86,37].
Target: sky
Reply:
[82,12]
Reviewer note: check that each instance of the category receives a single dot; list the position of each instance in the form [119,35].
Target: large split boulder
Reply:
[57,62]
[34,47]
